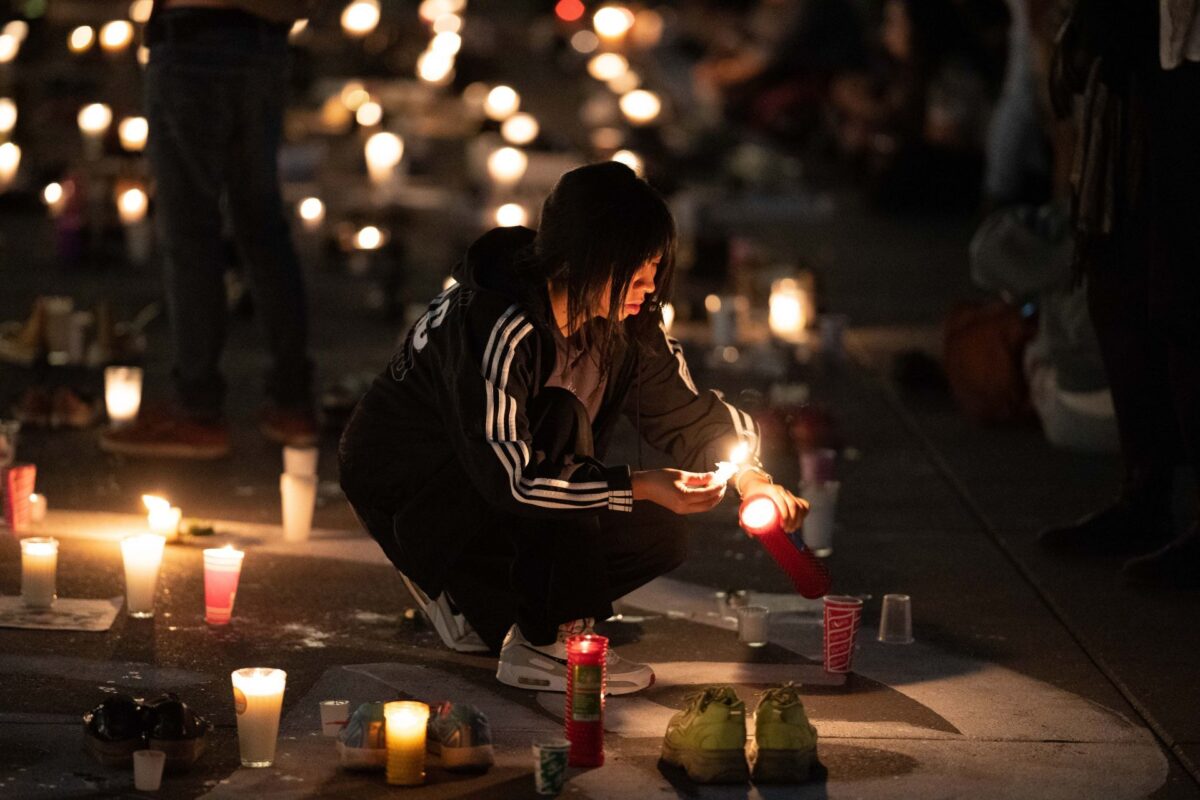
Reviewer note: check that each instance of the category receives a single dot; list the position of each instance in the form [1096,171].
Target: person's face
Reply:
[640,288]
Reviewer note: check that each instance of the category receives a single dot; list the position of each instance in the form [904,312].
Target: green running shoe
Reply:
[785,742]
[708,737]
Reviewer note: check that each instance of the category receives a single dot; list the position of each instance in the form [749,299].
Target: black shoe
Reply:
[1176,566]
[1123,529]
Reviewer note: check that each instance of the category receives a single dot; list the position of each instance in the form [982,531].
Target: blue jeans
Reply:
[214,102]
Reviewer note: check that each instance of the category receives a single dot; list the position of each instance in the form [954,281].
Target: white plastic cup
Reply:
[817,531]
[895,623]
[335,714]
[299,496]
[753,623]
[142,555]
[300,461]
[148,769]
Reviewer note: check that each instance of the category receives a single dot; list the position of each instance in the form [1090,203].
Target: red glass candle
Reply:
[761,519]
[587,655]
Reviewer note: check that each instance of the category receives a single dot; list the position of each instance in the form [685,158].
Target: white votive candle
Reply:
[37,507]
[143,556]
[753,622]
[162,517]
[258,699]
[39,567]
[122,394]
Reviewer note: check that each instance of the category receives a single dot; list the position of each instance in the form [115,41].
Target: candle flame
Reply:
[740,453]
[155,503]
[759,513]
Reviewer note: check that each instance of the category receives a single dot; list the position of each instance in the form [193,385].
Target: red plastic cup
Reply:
[19,483]
[842,617]
[587,657]
[222,567]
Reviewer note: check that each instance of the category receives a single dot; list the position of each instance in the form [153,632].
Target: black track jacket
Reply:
[455,395]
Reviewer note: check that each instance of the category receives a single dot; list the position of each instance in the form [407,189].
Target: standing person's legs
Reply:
[189,125]
[1175,290]
[259,225]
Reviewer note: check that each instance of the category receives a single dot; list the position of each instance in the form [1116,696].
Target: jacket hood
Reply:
[492,261]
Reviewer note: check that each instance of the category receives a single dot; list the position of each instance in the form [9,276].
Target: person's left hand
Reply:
[792,509]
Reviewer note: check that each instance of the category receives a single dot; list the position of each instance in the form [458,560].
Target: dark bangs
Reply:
[603,222]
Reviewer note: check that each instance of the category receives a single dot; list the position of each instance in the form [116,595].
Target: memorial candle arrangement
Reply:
[760,518]
[587,656]
[142,555]
[39,568]
[405,722]
[222,568]
[258,699]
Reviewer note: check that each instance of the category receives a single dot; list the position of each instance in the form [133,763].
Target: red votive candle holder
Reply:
[19,483]
[760,518]
[222,568]
[587,656]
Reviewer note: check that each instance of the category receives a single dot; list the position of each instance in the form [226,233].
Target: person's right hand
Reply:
[678,491]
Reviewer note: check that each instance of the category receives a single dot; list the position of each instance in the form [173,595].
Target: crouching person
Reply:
[475,459]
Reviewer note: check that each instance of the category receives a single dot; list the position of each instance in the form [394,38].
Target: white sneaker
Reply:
[544,668]
[452,627]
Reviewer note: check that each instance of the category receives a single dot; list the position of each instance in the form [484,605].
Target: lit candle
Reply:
[631,160]
[37,507]
[162,518]
[612,23]
[132,204]
[360,17]
[312,213]
[506,165]
[39,565]
[258,699]
[586,656]
[8,115]
[94,120]
[607,66]
[383,152]
[81,39]
[122,394]
[761,519]
[520,129]
[641,107]
[142,555]
[668,316]
[787,315]
[510,215]
[222,568]
[501,103]
[115,36]
[10,162]
[405,722]
[55,198]
[132,132]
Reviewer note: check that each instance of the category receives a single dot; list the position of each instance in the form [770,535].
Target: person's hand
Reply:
[678,491]
[792,509]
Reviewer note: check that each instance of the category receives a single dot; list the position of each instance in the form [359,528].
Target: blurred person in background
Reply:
[1130,73]
[215,92]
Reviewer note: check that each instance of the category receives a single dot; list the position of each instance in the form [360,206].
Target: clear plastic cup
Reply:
[148,769]
[300,460]
[753,623]
[895,623]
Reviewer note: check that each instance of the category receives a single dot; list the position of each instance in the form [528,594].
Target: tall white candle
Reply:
[143,556]
[258,699]
[39,566]
[162,517]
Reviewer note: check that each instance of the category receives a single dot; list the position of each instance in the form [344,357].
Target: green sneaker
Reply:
[785,742]
[708,737]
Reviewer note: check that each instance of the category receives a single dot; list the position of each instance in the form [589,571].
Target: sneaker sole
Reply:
[464,759]
[783,766]
[183,451]
[447,636]
[709,766]
[542,681]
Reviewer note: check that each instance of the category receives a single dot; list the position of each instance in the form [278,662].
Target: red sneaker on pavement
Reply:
[294,427]
[168,435]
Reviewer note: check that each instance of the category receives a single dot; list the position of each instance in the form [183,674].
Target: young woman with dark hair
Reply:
[474,459]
